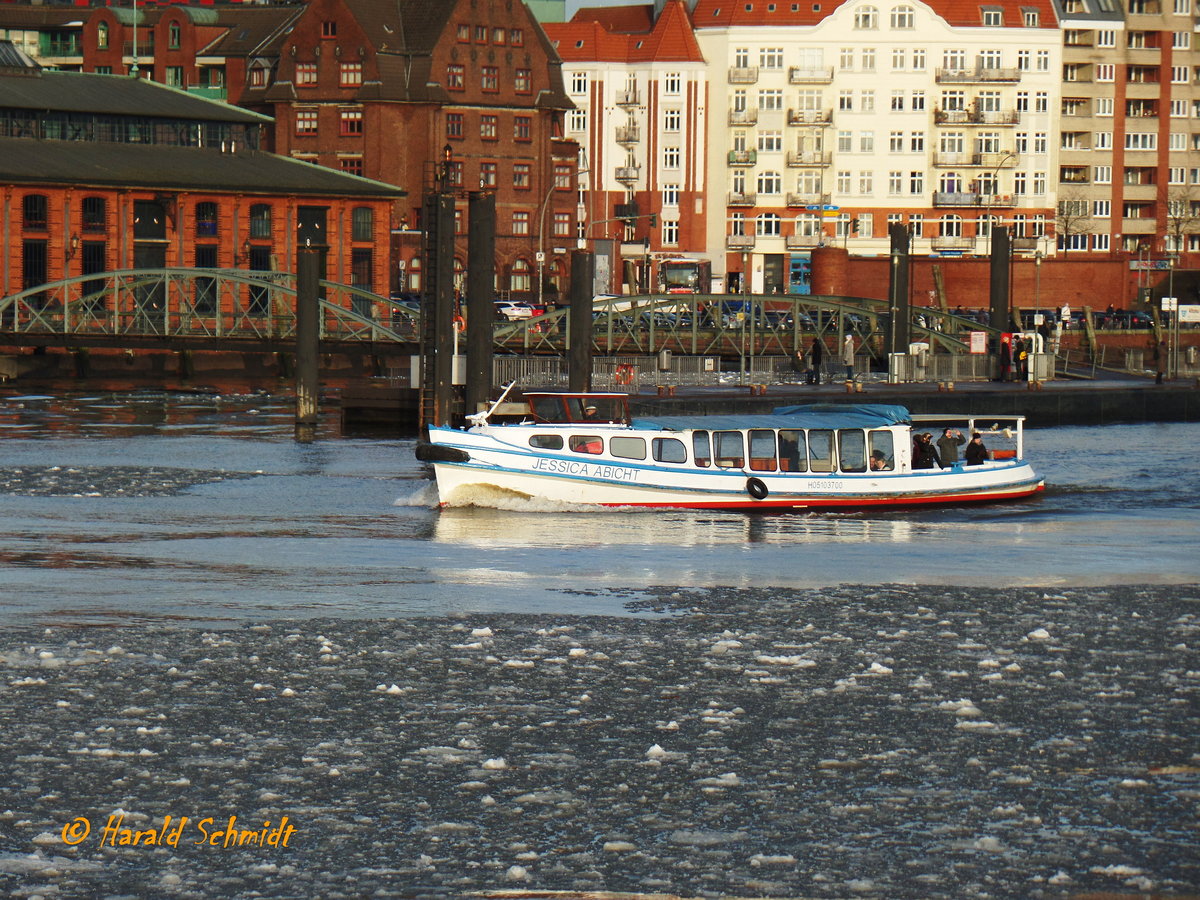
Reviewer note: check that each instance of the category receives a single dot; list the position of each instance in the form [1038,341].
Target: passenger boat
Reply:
[583,448]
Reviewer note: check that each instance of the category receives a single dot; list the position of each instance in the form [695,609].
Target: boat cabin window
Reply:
[546,441]
[565,408]
[587,443]
[852,449]
[730,447]
[820,450]
[762,450]
[883,451]
[669,450]
[793,456]
[700,449]
[627,447]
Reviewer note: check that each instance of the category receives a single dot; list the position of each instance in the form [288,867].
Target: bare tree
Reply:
[1072,217]
[1183,217]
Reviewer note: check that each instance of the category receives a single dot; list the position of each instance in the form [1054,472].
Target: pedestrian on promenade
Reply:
[816,354]
[848,356]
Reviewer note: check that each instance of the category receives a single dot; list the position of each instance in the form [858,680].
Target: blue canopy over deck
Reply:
[816,415]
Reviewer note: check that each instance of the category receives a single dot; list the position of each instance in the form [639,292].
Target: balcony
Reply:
[743,116]
[62,48]
[628,134]
[977,75]
[628,173]
[975,117]
[970,198]
[629,97]
[809,116]
[1003,159]
[951,242]
[737,198]
[208,92]
[803,241]
[743,157]
[807,199]
[739,242]
[743,75]
[798,75]
[799,158]
[1074,175]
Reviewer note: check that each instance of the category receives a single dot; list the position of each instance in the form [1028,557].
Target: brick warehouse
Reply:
[104,172]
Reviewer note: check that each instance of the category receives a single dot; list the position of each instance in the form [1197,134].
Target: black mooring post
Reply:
[898,289]
[579,354]
[481,285]
[309,264]
[999,284]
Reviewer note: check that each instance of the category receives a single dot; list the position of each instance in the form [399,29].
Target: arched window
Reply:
[903,17]
[985,225]
[808,226]
[174,35]
[520,280]
[260,220]
[34,212]
[102,36]
[770,183]
[206,219]
[768,224]
[950,183]
[950,226]
[866,17]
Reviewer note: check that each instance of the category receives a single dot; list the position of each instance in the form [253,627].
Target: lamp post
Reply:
[1172,257]
[541,250]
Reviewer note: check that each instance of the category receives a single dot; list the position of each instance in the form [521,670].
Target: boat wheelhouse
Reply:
[584,448]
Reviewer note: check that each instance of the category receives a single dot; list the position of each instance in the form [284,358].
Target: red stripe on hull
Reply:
[848,503]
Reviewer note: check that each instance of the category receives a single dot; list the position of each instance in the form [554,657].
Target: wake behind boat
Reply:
[583,448]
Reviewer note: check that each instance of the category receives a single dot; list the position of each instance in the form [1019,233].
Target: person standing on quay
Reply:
[848,356]
[816,354]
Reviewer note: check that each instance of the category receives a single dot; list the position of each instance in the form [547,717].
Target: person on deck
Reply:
[976,453]
[948,444]
[924,454]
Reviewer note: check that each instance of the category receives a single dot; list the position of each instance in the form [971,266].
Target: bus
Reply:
[684,276]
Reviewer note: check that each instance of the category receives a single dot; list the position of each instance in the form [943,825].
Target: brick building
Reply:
[103,172]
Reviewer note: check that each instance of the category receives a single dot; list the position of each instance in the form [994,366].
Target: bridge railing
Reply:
[198,303]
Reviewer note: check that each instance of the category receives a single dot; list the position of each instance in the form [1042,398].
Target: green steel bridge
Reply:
[222,309]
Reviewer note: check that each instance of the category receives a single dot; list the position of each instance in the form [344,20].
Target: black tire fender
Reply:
[756,488]
[427,452]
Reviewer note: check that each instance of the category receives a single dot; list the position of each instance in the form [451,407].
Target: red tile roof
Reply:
[723,13]
[586,38]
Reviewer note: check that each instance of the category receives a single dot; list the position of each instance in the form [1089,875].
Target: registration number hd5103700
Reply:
[824,485]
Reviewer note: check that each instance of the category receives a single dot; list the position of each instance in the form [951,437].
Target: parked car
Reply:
[513,311]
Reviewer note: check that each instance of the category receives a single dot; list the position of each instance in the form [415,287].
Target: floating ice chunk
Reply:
[656,752]
[481,632]
[1059,877]
[800,662]
[759,859]
[727,779]
[1038,634]
[706,838]
[618,847]
[395,689]
[519,663]
[495,764]
[1133,783]
[287,692]
[966,725]
[878,669]
[720,647]
[576,652]
[1116,871]
[517,873]
[990,844]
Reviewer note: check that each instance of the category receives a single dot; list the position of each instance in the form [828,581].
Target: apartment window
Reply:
[351,121]
[1141,140]
[1040,143]
[670,157]
[577,120]
[306,121]
[1100,242]
[770,183]
[672,84]
[770,99]
[579,82]
[206,219]
[895,183]
[1178,141]
[499,36]
[306,74]
[464,34]
[1181,40]
[867,100]
[1043,60]
[1031,18]
[896,142]
[917,142]
[1041,102]
[1104,106]
[918,101]
[954,100]
[1102,174]
[1105,72]
[898,60]
[741,58]
[866,142]
[1039,182]
[490,79]
[175,76]
[866,183]
[1101,209]
[916,224]
[903,17]
[769,141]
[1023,60]
[520,222]
[454,125]
[523,128]
[95,214]
[846,101]
[521,176]
[561,225]
[670,195]
[1019,183]
[516,37]
[1176,175]
[670,232]
[1021,142]
[1179,109]
[1106,38]
[771,58]
[868,60]
[916,183]
[523,81]
[845,141]
[843,182]
[866,17]
[258,76]
[918,59]
[350,74]
[954,60]
[1102,140]
[481,34]
[993,18]
[672,119]
[329,29]
[489,128]
[1179,74]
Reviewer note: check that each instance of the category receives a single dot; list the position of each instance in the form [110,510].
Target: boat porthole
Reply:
[756,488]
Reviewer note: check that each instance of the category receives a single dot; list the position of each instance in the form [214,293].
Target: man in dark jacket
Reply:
[924,454]
[948,444]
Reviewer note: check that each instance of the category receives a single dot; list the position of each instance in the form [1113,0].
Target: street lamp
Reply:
[541,250]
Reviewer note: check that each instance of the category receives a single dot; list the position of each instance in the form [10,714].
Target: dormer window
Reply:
[329,29]
[993,17]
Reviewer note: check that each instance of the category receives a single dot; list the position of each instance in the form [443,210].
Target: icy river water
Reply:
[201,618]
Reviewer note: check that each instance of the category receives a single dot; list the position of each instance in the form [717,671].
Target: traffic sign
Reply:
[1169,303]
[827,208]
